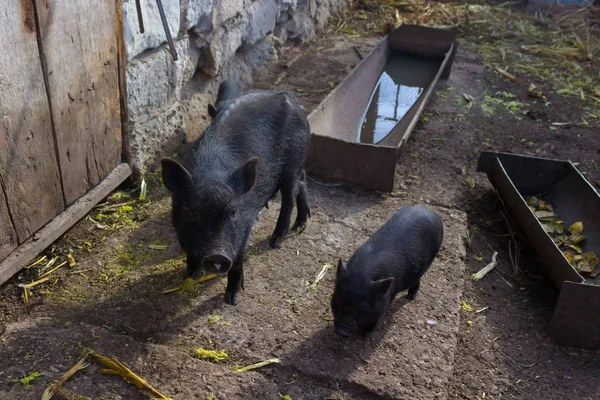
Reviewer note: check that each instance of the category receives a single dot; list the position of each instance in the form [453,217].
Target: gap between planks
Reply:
[54,229]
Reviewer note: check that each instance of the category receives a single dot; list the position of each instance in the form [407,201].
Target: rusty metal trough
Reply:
[576,319]
[335,154]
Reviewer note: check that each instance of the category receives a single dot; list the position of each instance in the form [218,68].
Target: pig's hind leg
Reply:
[412,291]
[285,214]
[301,204]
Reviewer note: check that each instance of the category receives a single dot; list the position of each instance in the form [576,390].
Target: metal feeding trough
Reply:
[576,319]
[359,127]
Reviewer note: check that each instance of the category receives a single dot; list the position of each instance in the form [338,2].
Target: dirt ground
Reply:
[436,347]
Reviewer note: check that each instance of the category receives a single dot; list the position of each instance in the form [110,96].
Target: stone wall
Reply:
[215,39]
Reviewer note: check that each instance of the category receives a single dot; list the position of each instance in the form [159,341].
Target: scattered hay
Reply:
[55,386]
[190,284]
[116,367]
[258,365]
[320,275]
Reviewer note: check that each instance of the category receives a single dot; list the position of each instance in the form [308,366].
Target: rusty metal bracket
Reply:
[138,7]
[163,18]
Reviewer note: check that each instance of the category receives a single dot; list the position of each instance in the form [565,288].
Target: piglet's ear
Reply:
[341,268]
[174,175]
[382,287]
[212,111]
[244,177]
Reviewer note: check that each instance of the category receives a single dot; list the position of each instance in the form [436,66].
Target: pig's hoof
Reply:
[275,241]
[194,274]
[299,226]
[411,296]
[232,298]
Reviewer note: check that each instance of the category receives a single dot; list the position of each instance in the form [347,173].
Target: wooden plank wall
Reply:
[80,47]
[31,185]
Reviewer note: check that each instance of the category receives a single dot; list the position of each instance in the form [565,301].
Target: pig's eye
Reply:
[233,214]
[193,214]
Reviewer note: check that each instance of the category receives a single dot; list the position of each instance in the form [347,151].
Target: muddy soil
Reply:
[458,340]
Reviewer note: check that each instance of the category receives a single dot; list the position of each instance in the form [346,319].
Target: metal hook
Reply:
[138,7]
[167,30]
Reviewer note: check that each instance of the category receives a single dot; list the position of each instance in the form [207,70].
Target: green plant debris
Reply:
[28,379]
[470,182]
[470,323]
[190,284]
[483,272]
[124,258]
[116,367]
[258,365]
[56,386]
[466,306]
[116,196]
[169,265]
[37,262]
[568,242]
[125,209]
[284,396]
[491,103]
[217,319]
[71,259]
[479,258]
[213,355]
[143,190]
[320,275]
[280,79]
[158,246]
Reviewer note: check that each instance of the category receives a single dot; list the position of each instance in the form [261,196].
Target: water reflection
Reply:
[402,81]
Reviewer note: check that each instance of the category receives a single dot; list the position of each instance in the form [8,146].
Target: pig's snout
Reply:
[343,331]
[216,262]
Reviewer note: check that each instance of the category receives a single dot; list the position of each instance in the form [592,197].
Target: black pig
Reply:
[228,90]
[392,260]
[253,148]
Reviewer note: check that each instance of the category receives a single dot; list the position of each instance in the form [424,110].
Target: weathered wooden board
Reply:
[8,236]
[80,45]
[30,173]
[27,251]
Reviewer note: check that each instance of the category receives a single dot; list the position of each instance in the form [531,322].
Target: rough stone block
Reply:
[224,43]
[226,9]
[262,17]
[312,8]
[281,32]
[155,81]
[160,135]
[197,14]
[196,115]
[260,54]
[300,27]
[154,33]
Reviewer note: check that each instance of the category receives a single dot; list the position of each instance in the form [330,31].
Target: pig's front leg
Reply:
[193,267]
[235,276]
[235,281]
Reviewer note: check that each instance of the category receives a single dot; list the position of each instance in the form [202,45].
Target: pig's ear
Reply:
[175,177]
[341,268]
[244,177]
[383,286]
[212,111]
